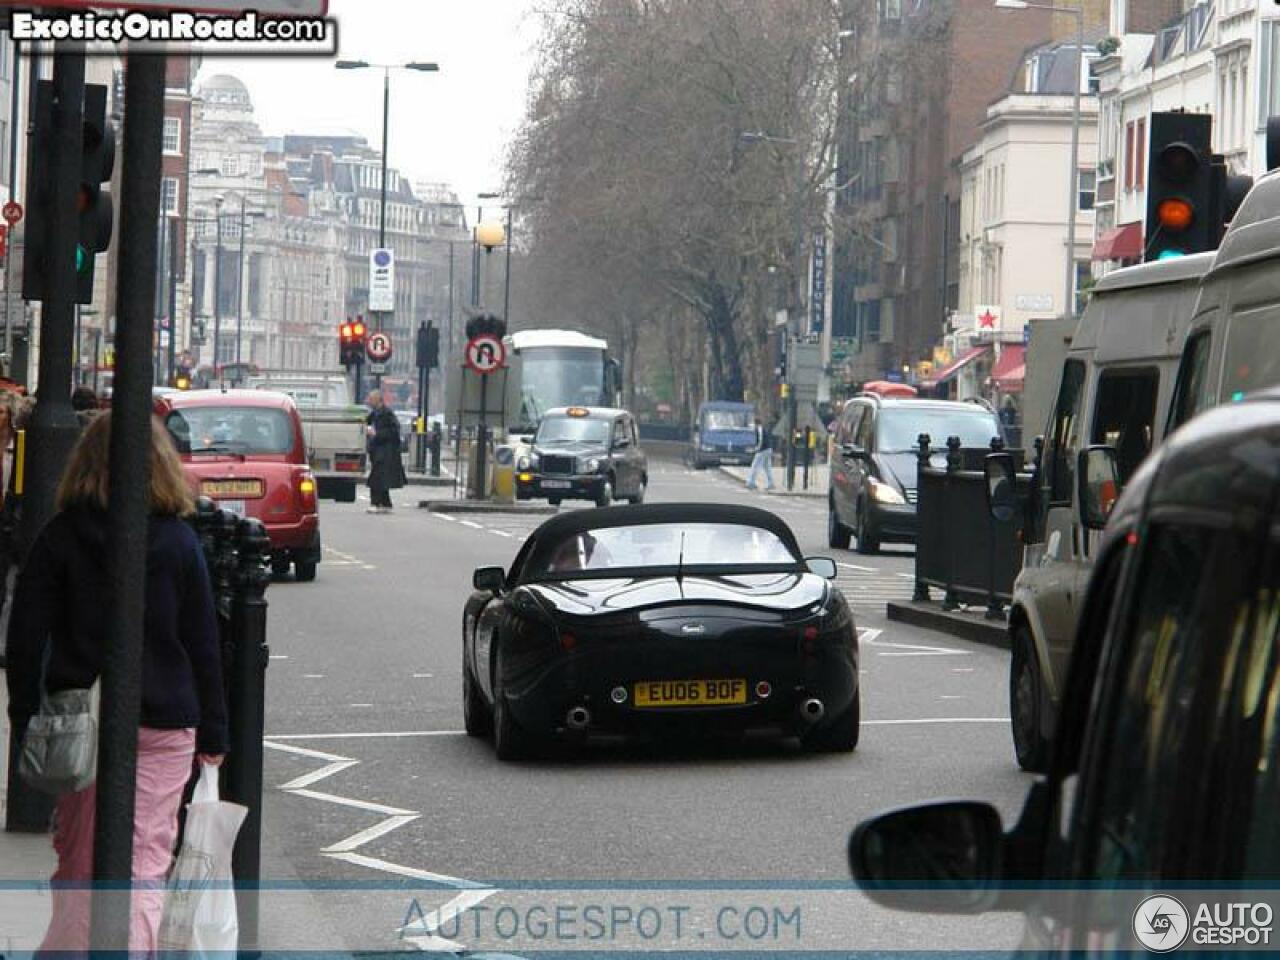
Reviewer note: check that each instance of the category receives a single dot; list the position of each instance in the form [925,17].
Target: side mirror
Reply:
[1002,486]
[824,567]
[489,579]
[852,451]
[1098,474]
[937,858]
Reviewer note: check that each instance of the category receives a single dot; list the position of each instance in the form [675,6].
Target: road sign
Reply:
[485,354]
[377,369]
[378,346]
[382,280]
[12,212]
[274,8]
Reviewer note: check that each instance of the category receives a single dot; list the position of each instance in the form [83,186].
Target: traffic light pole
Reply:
[128,502]
[54,427]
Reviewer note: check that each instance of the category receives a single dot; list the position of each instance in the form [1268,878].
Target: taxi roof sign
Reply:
[578,412]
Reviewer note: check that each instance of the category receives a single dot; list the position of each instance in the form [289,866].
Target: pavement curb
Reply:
[427,480]
[778,490]
[482,506]
[990,633]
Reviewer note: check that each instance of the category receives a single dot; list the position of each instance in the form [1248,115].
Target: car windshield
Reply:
[243,430]
[572,430]
[726,420]
[900,427]
[668,545]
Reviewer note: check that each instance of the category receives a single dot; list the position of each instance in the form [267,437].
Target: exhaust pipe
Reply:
[812,710]
[578,718]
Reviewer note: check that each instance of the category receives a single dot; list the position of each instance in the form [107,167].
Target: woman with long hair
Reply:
[62,596]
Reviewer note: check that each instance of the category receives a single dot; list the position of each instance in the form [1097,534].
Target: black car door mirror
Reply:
[1098,473]
[1002,486]
[490,579]
[852,451]
[824,567]
[937,858]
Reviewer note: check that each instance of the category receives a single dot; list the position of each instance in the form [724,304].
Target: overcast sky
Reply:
[450,126]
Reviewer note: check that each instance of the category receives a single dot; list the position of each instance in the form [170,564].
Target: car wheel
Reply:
[477,720]
[640,491]
[510,740]
[839,734]
[837,533]
[606,493]
[553,501]
[1030,745]
[866,544]
[304,571]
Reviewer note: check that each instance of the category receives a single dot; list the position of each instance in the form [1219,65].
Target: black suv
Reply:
[872,494]
[1164,769]
[584,453]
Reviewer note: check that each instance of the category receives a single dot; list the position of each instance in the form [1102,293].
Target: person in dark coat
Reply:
[386,469]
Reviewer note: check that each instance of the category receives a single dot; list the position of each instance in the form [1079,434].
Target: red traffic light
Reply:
[344,331]
[1175,213]
[357,330]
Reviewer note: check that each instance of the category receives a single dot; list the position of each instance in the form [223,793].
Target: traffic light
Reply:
[427,354]
[351,338]
[486,323]
[94,210]
[1182,215]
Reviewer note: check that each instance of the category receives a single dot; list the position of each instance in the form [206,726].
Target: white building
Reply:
[1218,58]
[1012,258]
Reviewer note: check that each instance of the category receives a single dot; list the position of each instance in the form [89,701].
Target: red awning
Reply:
[1119,243]
[955,366]
[1011,368]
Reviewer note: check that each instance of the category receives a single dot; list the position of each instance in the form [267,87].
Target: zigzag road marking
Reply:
[421,933]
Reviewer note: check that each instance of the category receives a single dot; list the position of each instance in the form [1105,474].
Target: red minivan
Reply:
[245,449]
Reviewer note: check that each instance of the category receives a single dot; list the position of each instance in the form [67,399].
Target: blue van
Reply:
[725,433]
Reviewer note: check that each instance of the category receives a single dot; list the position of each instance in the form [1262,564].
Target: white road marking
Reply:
[907,576]
[500,533]
[444,516]
[367,805]
[472,524]
[854,566]
[923,720]
[950,696]
[400,870]
[379,735]
[371,833]
[313,676]
[423,676]
[962,669]
[889,648]
[360,705]
[279,656]
[429,924]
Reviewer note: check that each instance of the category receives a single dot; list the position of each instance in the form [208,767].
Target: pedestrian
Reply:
[12,412]
[58,637]
[85,403]
[762,462]
[386,468]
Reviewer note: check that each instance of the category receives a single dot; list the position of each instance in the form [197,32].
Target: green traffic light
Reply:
[80,258]
[1170,254]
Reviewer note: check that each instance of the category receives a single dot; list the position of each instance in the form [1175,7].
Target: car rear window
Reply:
[899,427]
[243,430]
[667,545]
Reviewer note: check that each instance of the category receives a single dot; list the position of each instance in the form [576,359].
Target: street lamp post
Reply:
[1068,300]
[245,213]
[217,282]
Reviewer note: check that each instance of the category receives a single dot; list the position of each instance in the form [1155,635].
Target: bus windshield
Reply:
[560,377]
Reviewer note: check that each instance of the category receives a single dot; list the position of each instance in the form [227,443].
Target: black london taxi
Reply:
[1173,691]
[584,453]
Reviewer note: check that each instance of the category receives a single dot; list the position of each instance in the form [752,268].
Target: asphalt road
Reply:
[378,800]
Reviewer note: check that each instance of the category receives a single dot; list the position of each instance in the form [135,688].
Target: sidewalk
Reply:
[26,862]
[818,479]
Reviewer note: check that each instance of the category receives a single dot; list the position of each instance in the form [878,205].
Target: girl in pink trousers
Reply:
[61,596]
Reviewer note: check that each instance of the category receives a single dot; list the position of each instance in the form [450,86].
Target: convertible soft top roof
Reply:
[564,525]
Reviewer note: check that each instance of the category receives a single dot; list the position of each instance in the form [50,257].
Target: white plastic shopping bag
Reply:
[200,905]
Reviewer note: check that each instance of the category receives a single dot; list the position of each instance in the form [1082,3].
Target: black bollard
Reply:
[923,453]
[954,461]
[246,714]
[436,439]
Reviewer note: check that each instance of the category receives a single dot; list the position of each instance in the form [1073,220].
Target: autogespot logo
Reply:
[1161,923]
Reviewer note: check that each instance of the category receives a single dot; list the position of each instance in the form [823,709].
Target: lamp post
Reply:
[1068,300]
[386,68]
[489,234]
[217,282]
[245,213]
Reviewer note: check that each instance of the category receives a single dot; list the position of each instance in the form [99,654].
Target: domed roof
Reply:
[224,88]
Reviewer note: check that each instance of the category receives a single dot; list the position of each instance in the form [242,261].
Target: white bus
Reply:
[562,368]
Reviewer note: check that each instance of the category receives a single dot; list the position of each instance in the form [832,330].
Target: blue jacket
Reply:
[62,597]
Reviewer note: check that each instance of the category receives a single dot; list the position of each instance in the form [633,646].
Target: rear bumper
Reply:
[582,487]
[542,706]
[300,537]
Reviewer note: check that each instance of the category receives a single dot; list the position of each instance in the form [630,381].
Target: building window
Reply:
[1128,156]
[1088,188]
[169,196]
[1083,278]
[1140,154]
[231,165]
[173,135]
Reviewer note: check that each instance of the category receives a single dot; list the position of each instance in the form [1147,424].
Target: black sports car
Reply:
[670,619]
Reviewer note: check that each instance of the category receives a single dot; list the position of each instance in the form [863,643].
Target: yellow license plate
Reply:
[231,488]
[690,693]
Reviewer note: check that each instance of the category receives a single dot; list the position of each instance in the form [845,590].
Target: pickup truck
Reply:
[333,427]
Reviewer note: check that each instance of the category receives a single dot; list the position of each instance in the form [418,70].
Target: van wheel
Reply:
[1030,745]
[346,493]
[606,493]
[866,545]
[837,533]
[640,491]
[553,501]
